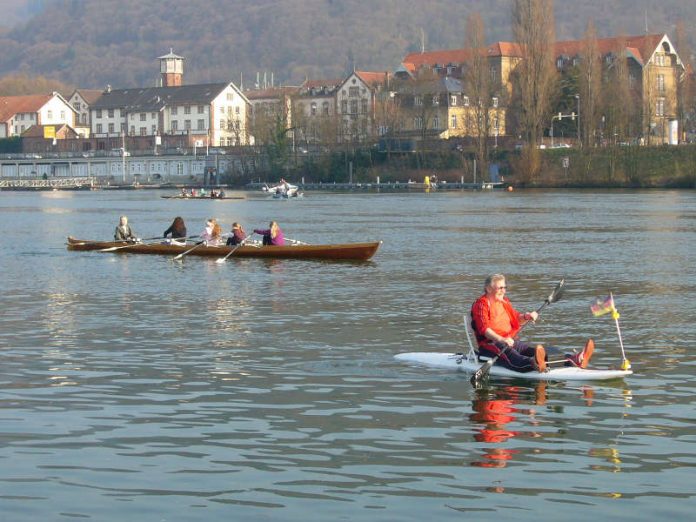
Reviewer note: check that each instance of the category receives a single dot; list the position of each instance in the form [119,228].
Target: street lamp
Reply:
[577,97]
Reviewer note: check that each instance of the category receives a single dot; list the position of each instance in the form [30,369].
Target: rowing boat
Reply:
[331,252]
[208,198]
[463,362]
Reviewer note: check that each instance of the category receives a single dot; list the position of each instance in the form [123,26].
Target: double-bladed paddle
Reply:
[483,371]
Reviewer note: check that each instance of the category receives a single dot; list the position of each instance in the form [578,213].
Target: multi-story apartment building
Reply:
[356,100]
[186,115]
[654,73]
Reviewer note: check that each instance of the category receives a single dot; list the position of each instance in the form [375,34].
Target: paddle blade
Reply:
[482,372]
[221,260]
[557,292]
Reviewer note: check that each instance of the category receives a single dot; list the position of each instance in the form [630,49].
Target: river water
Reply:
[136,387]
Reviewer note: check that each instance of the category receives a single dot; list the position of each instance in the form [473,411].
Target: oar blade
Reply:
[482,372]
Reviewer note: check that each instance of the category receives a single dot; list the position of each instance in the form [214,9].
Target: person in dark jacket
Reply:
[177,229]
[238,235]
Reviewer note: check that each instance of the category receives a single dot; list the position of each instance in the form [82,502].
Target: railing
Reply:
[47,183]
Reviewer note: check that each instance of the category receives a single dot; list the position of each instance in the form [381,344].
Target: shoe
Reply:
[540,358]
[586,354]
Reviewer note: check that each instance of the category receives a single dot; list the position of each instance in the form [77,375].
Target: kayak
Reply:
[462,362]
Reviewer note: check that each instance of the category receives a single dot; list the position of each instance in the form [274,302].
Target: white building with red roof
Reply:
[19,113]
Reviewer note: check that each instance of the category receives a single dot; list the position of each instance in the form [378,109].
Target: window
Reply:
[453,121]
[111,113]
[344,106]
[436,122]
[313,109]
[222,110]
[77,106]
[494,74]
[453,100]
[153,115]
[111,128]
[418,122]
[132,130]
[154,130]
[436,100]
[187,124]
[660,107]
[201,124]
[187,109]
[353,92]
[143,116]
[325,108]
[49,115]
[230,96]
[223,125]
[661,83]
[236,110]
[84,118]
[99,128]
[174,111]
[123,128]
[62,115]
[354,106]
[175,125]
[418,100]
[495,102]
[201,109]
[143,131]
[465,101]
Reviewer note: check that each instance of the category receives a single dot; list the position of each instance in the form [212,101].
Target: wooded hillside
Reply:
[91,43]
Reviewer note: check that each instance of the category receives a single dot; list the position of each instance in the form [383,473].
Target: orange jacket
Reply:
[481,321]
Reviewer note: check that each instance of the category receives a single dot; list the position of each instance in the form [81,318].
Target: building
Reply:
[270,110]
[314,111]
[356,100]
[172,115]
[19,113]
[205,114]
[654,73]
[81,100]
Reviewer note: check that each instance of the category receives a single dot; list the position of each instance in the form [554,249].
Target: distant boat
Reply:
[283,190]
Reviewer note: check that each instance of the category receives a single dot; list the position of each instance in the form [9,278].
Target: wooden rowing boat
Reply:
[333,252]
[208,198]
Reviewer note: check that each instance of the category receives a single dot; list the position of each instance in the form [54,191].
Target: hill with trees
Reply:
[94,43]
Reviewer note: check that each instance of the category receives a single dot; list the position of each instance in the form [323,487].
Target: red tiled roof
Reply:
[373,78]
[11,105]
[641,46]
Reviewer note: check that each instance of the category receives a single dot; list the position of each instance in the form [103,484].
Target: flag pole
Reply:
[625,364]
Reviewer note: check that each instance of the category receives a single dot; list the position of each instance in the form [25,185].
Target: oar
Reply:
[176,258]
[223,259]
[483,371]
[111,249]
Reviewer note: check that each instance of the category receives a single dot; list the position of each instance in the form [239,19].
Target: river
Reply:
[136,387]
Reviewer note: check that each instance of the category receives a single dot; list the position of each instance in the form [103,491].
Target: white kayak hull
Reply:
[453,361]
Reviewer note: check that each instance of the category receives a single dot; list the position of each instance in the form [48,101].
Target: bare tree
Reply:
[619,97]
[589,85]
[477,86]
[685,85]
[533,26]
